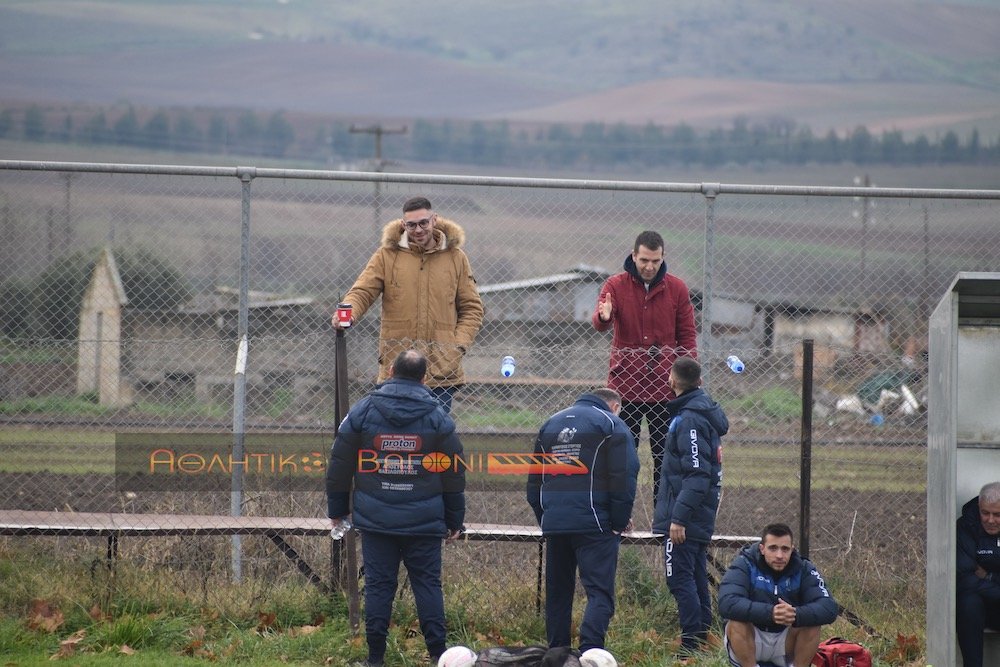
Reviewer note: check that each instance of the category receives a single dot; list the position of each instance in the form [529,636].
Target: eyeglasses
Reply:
[413,224]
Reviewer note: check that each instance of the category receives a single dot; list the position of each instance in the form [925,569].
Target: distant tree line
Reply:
[247,134]
[556,145]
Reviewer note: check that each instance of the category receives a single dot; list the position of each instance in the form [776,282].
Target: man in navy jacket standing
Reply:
[689,498]
[978,565]
[582,490]
[399,448]
[775,602]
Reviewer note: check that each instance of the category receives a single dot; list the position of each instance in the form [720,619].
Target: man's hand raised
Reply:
[605,307]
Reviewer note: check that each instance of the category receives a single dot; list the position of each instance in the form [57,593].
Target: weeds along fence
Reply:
[126,291]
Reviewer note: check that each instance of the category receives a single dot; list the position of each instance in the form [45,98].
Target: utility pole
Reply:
[378,131]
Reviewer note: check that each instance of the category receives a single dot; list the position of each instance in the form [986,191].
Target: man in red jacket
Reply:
[653,321]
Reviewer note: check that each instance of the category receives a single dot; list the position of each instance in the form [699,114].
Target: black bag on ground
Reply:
[528,656]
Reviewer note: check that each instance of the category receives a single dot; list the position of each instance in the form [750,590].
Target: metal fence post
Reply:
[246,175]
[710,190]
[345,549]
[805,477]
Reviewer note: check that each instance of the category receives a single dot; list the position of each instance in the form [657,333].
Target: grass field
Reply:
[170,600]
[149,615]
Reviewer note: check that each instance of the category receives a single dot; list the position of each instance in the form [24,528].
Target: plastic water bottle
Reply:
[338,531]
[507,366]
[734,363]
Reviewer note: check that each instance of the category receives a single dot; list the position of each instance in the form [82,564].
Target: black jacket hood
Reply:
[633,270]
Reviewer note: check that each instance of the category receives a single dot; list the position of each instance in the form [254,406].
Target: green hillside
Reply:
[891,66]
[577,44]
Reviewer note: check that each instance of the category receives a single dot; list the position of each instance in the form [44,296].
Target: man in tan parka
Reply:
[430,301]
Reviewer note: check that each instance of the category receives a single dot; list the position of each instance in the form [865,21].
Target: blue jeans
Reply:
[445,396]
[596,556]
[382,554]
[686,567]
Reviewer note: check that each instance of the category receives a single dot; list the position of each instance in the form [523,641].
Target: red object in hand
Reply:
[344,314]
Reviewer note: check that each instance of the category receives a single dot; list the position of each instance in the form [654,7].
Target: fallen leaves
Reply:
[303,630]
[196,647]
[267,624]
[265,621]
[44,616]
[906,649]
[97,614]
[67,647]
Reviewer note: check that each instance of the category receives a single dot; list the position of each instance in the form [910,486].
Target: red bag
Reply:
[837,652]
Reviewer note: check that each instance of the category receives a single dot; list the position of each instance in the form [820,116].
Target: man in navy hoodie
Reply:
[978,565]
[582,491]
[689,497]
[775,602]
[407,496]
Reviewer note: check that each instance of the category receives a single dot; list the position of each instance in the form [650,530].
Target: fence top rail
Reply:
[710,190]
[104,524]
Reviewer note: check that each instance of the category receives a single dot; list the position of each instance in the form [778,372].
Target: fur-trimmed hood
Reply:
[429,300]
[447,233]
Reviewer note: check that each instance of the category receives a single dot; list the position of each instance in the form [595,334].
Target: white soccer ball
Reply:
[457,656]
[597,657]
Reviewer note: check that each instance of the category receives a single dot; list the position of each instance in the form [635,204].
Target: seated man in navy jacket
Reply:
[403,507]
[774,602]
[978,565]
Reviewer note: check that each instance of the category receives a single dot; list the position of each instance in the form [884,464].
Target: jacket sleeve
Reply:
[595,318]
[340,469]
[735,601]
[468,304]
[687,333]
[623,471]
[368,287]
[453,483]
[967,581]
[696,468]
[534,486]
[818,606]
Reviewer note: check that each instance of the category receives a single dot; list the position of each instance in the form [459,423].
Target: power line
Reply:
[377,131]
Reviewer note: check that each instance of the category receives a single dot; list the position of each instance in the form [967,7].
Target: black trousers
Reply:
[658,421]
[973,614]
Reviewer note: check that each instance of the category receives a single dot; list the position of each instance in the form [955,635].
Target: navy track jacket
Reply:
[381,445]
[750,589]
[976,547]
[691,476]
[599,497]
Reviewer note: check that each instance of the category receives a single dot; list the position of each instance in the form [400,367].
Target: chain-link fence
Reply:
[125,291]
